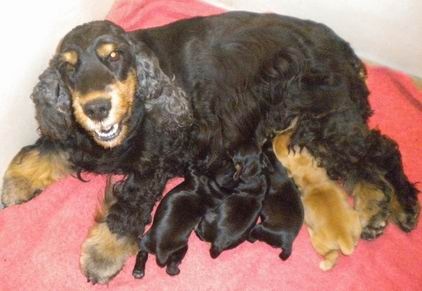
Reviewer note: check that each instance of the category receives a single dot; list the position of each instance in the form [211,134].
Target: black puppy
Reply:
[282,210]
[178,214]
[229,224]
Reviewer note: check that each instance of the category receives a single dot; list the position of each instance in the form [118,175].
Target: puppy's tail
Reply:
[346,244]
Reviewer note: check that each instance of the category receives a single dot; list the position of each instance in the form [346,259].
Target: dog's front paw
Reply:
[30,172]
[17,190]
[104,254]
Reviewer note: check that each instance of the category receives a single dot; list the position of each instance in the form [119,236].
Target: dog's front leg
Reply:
[33,169]
[113,238]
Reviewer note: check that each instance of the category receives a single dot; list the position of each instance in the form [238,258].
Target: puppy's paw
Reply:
[104,254]
[173,268]
[285,254]
[139,269]
[326,265]
[330,260]
[215,251]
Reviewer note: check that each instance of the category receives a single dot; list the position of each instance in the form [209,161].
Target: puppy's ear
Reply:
[52,104]
[164,100]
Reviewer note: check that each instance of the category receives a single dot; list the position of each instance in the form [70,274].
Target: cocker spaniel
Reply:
[150,103]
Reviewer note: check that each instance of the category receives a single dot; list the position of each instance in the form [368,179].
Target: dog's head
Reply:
[103,82]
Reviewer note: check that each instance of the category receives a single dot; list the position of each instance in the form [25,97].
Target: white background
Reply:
[388,32]
[29,34]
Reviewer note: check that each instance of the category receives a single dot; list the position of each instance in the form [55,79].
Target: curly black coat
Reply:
[203,88]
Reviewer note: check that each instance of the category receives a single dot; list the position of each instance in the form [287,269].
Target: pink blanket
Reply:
[40,240]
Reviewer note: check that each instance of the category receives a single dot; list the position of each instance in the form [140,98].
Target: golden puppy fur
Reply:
[333,224]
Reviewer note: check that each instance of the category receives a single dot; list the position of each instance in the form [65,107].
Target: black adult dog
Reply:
[148,103]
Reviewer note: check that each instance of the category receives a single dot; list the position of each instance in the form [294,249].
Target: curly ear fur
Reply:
[164,101]
[53,105]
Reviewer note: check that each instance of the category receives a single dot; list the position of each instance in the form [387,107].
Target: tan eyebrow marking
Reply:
[70,57]
[106,49]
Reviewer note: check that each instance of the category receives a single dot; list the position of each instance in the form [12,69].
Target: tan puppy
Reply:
[332,223]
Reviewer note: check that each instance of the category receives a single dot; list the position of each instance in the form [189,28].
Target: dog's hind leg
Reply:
[373,208]
[384,154]
[364,158]
[404,204]
[33,169]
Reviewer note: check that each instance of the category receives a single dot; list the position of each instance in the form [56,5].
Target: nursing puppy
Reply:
[178,214]
[229,224]
[333,224]
[282,210]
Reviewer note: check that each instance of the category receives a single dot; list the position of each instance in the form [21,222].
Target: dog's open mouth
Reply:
[108,133]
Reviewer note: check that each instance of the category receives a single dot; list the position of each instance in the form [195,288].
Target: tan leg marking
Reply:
[103,252]
[367,198]
[30,172]
[373,208]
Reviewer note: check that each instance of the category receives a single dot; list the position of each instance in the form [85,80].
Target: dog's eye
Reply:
[69,68]
[114,56]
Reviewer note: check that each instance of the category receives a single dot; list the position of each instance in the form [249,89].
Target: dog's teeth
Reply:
[109,132]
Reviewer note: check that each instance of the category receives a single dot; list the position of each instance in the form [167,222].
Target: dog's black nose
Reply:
[97,109]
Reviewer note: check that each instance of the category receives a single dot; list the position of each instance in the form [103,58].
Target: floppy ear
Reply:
[52,105]
[164,101]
